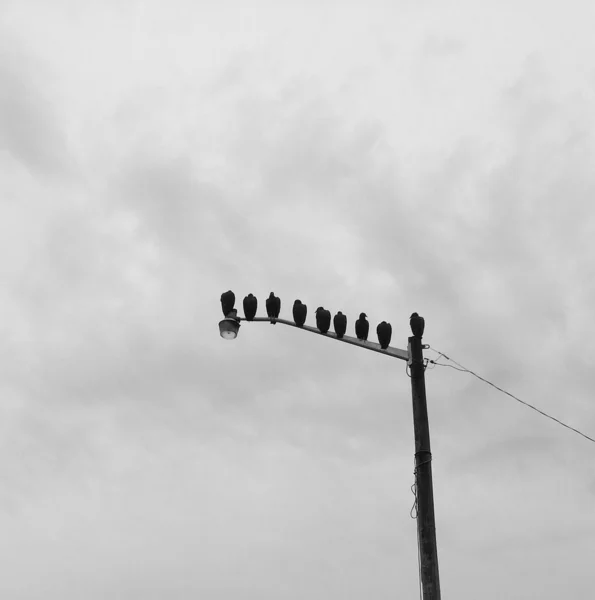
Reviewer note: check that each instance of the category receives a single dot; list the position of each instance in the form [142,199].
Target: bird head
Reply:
[319,309]
[297,302]
[414,315]
[362,315]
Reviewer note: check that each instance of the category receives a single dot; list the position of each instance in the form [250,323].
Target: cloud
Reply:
[144,456]
[29,128]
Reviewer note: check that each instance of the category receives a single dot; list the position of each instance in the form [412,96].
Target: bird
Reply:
[362,327]
[340,324]
[300,311]
[385,332]
[417,325]
[273,305]
[228,299]
[250,306]
[323,319]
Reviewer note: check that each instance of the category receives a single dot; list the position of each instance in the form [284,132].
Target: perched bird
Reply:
[340,324]
[273,305]
[299,313]
[362,327]
[323,319]
[417,325]
[250,306]
[385,332]
[228,300]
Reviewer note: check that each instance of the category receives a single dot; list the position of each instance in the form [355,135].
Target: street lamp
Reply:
[230,326]
[426,523]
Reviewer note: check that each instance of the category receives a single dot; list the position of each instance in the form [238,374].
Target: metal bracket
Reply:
[390,351]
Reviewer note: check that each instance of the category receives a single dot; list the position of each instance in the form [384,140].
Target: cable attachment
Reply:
[418,457]
[416,465]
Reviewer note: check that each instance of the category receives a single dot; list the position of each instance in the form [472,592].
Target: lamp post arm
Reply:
[367,345]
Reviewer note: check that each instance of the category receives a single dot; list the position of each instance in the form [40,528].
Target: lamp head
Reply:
[229,327]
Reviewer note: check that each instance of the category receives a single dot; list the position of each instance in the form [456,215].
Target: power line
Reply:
[466,370]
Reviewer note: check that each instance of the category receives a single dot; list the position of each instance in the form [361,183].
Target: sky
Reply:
[385,157]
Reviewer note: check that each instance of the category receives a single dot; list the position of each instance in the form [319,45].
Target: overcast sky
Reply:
[385,157]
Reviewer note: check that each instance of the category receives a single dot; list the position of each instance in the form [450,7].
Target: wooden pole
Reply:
[426,523]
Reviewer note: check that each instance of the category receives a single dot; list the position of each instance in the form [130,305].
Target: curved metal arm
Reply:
[390,351]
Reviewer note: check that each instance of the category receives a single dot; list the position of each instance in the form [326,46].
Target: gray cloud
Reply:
[29,131]
[143,456]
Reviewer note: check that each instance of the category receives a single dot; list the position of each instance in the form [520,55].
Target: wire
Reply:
[465,370]
[450,366]
[413,511]
[411,514]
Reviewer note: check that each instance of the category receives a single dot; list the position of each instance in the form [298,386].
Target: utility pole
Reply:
[426,522]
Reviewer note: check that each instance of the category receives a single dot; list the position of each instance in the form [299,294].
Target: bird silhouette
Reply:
[228,300]
[273,305]
[362,327]
[300,311]
[250,306]
[385,332]
[340,324]
[418,325]
[323,319]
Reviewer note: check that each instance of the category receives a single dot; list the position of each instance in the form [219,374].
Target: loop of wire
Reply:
[413,513]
